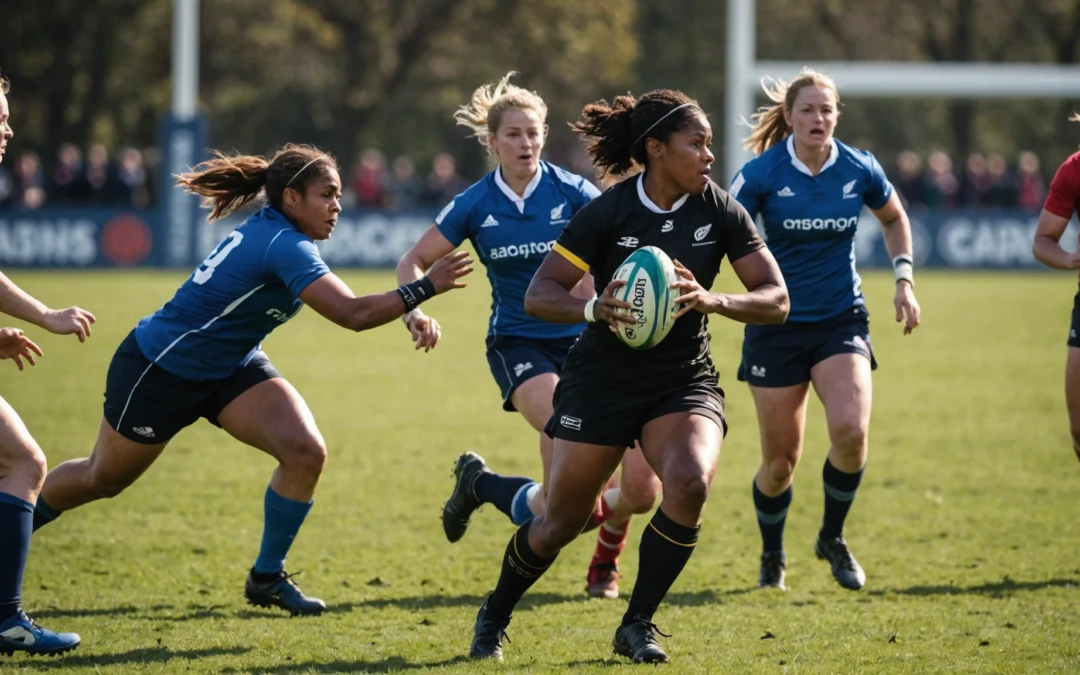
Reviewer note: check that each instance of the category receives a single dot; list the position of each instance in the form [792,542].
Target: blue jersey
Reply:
[512,234]
[810,221]
[246,288]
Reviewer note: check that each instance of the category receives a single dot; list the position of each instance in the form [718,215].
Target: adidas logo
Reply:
[786,192]
[669,225]
[147,432]
[848,188]
[757,371]
[489,221]
[522,367]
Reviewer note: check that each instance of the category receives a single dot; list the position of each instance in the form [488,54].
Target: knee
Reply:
[34,467]
[106,485]
[780,468]
[690,487]
[848,435]
[306,455]
[640,495]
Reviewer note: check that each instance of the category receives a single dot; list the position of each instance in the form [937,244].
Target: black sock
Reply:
[665,548]
[520,569]
[771,516]
[839,493]
[15,531]
[44,514]
[499,491]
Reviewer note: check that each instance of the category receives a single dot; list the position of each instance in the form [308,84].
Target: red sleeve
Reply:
[1065,188]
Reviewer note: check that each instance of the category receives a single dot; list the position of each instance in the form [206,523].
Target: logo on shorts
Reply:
[570,422]
[757,371]
[858,343]
[147,432]
[628,242]
[1072,333]
[522,367]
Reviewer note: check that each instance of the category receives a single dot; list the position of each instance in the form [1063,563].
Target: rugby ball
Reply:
[648,273]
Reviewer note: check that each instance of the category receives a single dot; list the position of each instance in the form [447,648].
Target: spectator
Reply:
[369,179]
[1001,190]
[942,186]
[68,184]
[405,186]
[910,180]
[29,181]
[132,175]
[976,183]
[443,183]
[1030,184]
[105,187]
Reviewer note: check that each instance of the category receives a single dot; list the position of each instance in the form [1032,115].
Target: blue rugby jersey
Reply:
[512,234]
[246,288]
[810,221]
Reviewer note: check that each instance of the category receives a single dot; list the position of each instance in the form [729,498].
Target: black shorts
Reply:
[782,355]
[592,408]
[1074,328]
[514,359]
[147,404]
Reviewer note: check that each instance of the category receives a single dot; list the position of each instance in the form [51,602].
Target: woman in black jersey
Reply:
[610,395]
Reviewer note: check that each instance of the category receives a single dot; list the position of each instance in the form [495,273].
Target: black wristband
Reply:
[415,292]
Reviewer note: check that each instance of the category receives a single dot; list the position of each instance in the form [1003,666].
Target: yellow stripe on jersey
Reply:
[574,260]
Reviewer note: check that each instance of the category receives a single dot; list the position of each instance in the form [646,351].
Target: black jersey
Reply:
[698,231]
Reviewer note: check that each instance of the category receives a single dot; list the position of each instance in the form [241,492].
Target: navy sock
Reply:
[520,569]
[282,521]
[16,527]
[840,490]
[771,517]
[44,514]
[500,492]
[666,546]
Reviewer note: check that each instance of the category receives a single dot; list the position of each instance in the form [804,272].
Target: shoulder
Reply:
[567,181]
[852,157]
[761,168]
[466,200]
[1071,166]
[720,199]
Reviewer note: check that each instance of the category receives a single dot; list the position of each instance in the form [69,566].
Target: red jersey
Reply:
[1064,197]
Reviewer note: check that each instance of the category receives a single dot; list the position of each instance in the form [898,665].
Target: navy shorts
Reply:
[514,359]
[782,355]
[600,409]
[1074,328]
[147,404]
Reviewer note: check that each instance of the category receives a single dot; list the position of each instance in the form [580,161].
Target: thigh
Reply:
[781,414]
[1072,387]
[533,399]
[682,447]
[579,473]
[637,475]
[844,384]
[273,417]
[118,460]
[17,446]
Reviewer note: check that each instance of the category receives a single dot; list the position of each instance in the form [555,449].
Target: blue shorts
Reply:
[149,405]
[513,359]
[782,355]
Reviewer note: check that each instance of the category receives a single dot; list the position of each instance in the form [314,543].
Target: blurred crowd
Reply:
[128,178]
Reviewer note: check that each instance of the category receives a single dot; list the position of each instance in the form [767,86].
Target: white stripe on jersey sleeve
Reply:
[737,185]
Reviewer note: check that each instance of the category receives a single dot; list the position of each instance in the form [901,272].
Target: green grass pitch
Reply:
[965,523]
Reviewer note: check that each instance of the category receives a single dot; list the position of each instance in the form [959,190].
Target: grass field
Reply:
[965,524]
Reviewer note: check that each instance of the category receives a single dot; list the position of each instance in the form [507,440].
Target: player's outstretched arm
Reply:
[431,246]
[18,303]
[553,298]
[764,302]
[1047,248]
[331,297]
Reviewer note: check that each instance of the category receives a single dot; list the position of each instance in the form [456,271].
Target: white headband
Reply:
[301,171]
[642,136]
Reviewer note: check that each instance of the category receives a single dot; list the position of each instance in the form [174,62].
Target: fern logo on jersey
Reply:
[556,214]
[848,188]
[702,232]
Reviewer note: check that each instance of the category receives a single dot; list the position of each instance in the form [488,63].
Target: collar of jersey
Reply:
[798,163]
[649,203]
[529,189]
